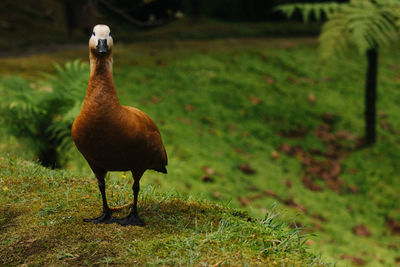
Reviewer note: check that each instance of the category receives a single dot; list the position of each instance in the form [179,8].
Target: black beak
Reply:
[102,46]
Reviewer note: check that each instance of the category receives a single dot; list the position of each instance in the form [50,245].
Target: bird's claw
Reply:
[130,220]
[103,218]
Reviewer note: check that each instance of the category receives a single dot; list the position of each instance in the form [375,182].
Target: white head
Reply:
[101,42]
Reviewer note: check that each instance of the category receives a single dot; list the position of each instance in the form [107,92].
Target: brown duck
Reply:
[113,137]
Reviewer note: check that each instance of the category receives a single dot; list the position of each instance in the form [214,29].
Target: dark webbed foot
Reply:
[103,218]
[131,220]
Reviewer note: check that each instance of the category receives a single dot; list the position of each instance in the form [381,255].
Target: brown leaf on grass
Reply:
[354,189]
[307,80]
[288,183]
[257,196]
[208,170]
[309,183]
[294,225]
[385,125]
[298,131]
[319,217]
[345,135]
[238,150]
[392,246]
[286,148]
[291,203]
[253,188]
[155,99]
[311,98]
[382,114]
[255,100]
[184,120]
[353,170]
[355,260]
[293,80]
[393,225]
[361,230]
[323,132]
[317,226]
[270,80]
[329,118]
[189,107]
[271,193]
[246,168]
[275,154]
[310,242]
[397,260]
[244,201]
[335,168]
[216,194]
[207,179]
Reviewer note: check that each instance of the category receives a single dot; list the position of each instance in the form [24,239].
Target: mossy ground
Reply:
[223,103]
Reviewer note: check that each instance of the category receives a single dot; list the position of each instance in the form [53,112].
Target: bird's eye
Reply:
[93,34]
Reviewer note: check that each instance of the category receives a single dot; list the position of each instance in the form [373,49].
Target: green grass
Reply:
[41,225]
[224,103]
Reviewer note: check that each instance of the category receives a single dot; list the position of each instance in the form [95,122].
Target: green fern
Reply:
[365,24]
[42,118]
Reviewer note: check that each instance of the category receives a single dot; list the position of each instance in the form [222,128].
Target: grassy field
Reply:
[258,122]
[41,223]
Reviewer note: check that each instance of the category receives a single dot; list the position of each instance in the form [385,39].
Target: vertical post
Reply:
[370,97]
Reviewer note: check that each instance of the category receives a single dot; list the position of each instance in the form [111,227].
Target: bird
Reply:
[113,137]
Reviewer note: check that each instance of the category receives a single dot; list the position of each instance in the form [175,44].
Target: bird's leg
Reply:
[133,217]
[106,216]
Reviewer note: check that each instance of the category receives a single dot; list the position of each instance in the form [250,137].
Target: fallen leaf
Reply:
[271,193]
[361,230]
[354,189]
[189,107]
[246,168]
[216,194]
[319,217]
[309,242]
[288,183]
[317,226]
[353,170]
[311,98]
[155,99]
[355,260]
[393,225]
[382,114]
[270,80]
[207,179]
[85,197]
[275,154]
[208,170]
[291,203]
[292,80]
[255,100]
[244,201]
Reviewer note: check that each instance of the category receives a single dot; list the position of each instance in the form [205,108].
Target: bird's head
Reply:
[101,42]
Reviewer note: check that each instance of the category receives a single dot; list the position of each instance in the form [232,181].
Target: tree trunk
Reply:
[370,97]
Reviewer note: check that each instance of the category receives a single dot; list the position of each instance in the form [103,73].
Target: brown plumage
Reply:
[113,137]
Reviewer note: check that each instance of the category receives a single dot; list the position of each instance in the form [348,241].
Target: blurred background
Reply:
[256,108]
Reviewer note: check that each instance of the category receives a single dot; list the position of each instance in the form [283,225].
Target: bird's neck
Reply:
[101,81]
